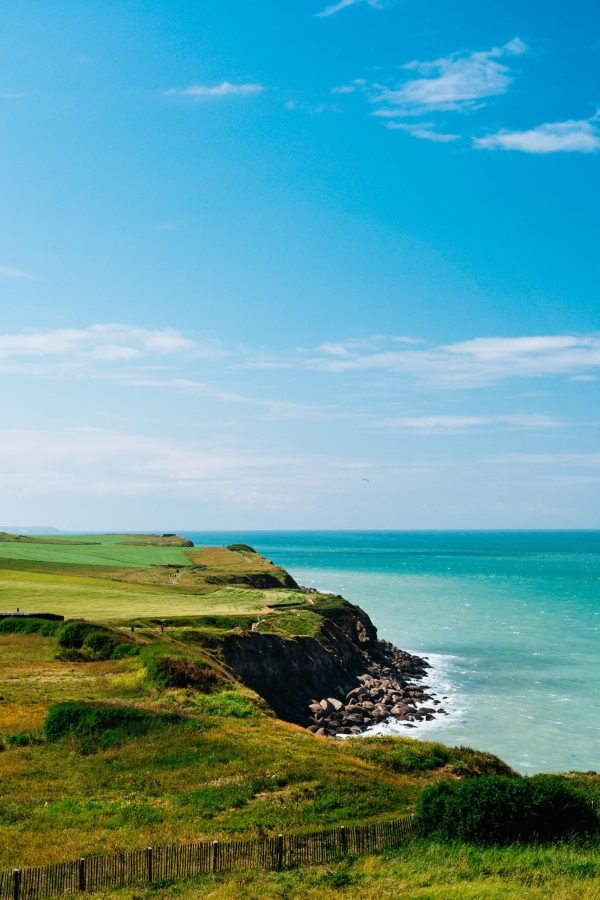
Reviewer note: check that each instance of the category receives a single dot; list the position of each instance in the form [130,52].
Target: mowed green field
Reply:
[96,550]
[97,598]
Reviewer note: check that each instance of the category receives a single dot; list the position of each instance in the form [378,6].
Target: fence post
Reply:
[149,864]
[344,839]
[215,855]
[81,879]
[16,884]
[279,851]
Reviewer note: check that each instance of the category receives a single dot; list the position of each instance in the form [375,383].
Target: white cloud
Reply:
[472,363]
[458,424]
[8,272]
[334,8]
[94,460]
[425,132]
[224,89]
[573,136]
[457,82]
[572,460]
[102,342]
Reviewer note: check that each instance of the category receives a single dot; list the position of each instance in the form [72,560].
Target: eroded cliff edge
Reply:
[343,680]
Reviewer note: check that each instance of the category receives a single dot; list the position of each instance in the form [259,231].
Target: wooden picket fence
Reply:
[177,862]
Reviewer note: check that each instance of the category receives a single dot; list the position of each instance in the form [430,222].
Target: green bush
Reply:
[84,642]
[72,635]
[106,725]
[500,810]
[26,625]
[165,670]
[101,644]
[122,651]
[24,739]
[241,548]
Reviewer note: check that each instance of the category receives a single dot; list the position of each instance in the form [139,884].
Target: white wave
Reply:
[442,683]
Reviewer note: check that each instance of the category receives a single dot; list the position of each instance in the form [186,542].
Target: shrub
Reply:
[26,625]
[107,725]
[24,739]
[122,651]
[101,644]
[241,548]
[180,672]
[84,642]
[500,810]
[73,634]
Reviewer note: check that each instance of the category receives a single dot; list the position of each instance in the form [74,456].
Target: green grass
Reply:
[67,798]
[100,598]
[292,622]
[96,550]
[231,769]
[417,871]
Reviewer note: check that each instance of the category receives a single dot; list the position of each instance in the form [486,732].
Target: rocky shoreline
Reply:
[387,689]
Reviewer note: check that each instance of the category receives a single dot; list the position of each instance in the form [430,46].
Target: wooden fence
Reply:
[177,862]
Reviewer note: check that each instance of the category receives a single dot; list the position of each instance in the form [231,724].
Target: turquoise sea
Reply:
[510,622]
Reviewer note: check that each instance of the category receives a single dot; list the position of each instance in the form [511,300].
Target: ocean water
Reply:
[510,622]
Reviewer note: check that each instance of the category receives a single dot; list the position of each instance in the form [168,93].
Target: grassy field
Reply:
[418,871]
[225,766]
[231,769]
[129,576]
[101,598]
[95,550]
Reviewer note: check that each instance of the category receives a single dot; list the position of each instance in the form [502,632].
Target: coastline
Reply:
[390,690]
[441,686]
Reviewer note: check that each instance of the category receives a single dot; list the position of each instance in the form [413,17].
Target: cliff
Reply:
[340,682]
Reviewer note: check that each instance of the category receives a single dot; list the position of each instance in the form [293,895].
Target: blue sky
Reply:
[299,265]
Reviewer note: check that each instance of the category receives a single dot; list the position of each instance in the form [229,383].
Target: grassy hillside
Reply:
[418,871]
[229,768]
[153,740]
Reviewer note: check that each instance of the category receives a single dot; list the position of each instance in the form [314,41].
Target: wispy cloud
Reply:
[572,136]
[224,89]
[458,424]
[473,363]
[9,272]
[97,462]
[106,342]
[425,131]
[458,82]
[575,460]
[334,8]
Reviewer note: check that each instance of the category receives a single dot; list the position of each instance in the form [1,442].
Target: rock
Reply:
[320,732]
[335,703]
